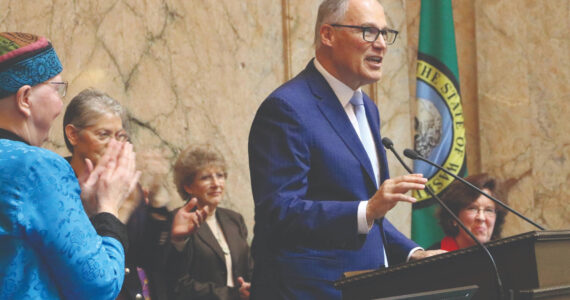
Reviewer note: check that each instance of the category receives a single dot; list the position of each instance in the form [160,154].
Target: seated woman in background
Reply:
[214,262]
[93,119]
[481,215]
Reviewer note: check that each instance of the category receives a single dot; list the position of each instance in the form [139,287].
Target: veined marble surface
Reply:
[523,67]
[188,71]
[196,71]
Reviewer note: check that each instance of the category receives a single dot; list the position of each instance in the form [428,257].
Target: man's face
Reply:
[356,61]
[46,106]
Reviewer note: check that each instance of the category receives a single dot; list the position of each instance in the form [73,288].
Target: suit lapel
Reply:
[207,236]
[333,111]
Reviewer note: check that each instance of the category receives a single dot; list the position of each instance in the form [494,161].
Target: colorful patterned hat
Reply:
[25,59]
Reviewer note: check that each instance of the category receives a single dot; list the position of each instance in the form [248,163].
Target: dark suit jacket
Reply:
[147,249]
[308,172]
[204,274]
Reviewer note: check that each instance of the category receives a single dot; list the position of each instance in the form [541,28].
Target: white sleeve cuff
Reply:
[412,252]
[363,227]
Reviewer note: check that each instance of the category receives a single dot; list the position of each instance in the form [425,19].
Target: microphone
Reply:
[416,156]
[390,146]
[409,153]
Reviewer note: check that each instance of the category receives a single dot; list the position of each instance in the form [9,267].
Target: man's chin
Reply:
[373,77]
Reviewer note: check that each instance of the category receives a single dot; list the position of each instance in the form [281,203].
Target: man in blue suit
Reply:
[318,171]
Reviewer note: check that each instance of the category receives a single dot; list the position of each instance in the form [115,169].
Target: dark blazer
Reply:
[309,172]
[147,237]
[204,274]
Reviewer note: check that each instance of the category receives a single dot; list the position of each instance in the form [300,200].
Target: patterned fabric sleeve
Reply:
[83,264]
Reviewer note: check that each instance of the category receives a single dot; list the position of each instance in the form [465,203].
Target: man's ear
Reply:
[72,134]
[327,34]
[23,100]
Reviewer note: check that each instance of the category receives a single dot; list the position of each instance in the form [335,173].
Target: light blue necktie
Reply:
[365,133]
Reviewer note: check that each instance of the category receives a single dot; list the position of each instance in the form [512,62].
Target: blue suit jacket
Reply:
[308,172]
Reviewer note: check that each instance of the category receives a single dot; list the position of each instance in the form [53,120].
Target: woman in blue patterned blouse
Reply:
[49,248]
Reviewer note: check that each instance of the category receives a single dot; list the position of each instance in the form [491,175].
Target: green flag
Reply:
[439,128]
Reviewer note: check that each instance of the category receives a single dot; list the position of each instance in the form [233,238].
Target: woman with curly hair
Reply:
[481,215]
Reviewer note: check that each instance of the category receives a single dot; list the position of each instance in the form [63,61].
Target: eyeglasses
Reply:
[104,136]
[61,87]
[487,211]
[371,34]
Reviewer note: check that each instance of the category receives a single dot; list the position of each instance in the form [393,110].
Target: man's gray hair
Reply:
[330,11]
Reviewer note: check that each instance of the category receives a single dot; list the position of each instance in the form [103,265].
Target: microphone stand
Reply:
[390,146]
[414,155]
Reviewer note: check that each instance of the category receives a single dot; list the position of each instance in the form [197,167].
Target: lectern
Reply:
[533,265]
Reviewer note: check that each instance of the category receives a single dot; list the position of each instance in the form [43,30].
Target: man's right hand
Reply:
[390,193]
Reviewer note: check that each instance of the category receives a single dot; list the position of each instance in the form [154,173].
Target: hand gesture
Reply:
[105,187]
[391,192]
[243,288]
[130,204]
[187,220]
[87,182]
[154,167]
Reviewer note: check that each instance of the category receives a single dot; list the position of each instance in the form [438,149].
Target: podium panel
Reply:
[460,293]
[533,261]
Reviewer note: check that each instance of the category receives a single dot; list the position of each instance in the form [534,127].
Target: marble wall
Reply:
[196,71]
[188,71]
[523,74]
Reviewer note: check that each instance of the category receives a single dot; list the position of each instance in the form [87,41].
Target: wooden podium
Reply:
[533,265]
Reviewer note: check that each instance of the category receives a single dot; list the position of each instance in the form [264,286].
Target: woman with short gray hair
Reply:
[91,120]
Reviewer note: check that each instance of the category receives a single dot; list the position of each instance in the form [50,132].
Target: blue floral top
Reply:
[48,247]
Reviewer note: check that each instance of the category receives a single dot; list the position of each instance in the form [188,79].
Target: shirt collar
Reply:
[5,134]
[342,91]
